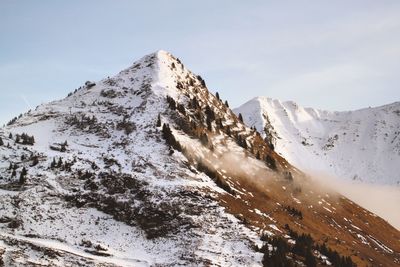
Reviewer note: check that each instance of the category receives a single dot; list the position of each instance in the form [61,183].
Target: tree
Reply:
[226,103]
[217,95]
[1,142]
[270,162]
[22,176]
[335,258]
[59,164]
[210,113]
[228,131]
[94,166]
[181,108]
[277,257]
[63,147]
[53,163]
[240,117]
[219,123]
[158,121]
[170,138]
[203,83]
[194,103]
[29,140]
[241,141]
[310,260]
[171,103]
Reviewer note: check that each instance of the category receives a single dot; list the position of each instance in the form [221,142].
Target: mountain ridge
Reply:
[148,168]
[306,135]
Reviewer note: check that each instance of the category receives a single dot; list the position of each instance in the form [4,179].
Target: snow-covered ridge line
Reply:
[357,145]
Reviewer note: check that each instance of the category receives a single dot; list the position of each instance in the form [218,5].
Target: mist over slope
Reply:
[380,199]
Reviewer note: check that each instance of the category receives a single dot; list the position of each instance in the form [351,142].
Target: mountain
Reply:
[148,168]
[361,145]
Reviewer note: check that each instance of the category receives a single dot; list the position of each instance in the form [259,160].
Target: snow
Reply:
[355,227]
[379,244]
[121,261]
[327,209]
[201,232]
[353,145]
[137,95]
[363,239]
[273,226]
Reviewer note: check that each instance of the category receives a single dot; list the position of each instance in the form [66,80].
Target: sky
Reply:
[333,55]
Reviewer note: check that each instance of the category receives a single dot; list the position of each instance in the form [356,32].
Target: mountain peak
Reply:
[167,169]
[162,54]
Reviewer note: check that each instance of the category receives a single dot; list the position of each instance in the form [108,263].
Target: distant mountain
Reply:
[148,168]
[362,145]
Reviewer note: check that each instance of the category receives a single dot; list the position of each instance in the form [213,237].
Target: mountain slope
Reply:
[356,145]
[148,168]
[125,189]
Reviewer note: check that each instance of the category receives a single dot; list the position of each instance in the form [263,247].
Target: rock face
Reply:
[148,168]
[362,145]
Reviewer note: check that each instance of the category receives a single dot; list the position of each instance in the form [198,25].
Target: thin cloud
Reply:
[29,106]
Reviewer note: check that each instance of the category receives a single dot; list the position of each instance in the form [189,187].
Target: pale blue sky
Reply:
[335,55]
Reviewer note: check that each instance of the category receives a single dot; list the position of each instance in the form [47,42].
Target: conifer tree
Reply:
[310,260]
[22,176]
[270,162]
[219,123]
[158,120]
[53,163]
[228,131]
[59,164]
[240,117]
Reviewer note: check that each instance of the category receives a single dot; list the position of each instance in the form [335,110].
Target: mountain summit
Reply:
[148,168]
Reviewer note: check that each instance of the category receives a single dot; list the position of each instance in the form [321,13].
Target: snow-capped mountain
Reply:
[362,145]
[148,168]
